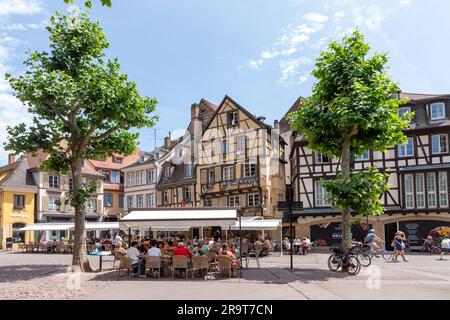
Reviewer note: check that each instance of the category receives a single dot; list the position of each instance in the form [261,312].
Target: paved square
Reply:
[45,276]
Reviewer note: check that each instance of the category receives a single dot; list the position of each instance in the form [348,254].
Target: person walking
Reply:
[399,245]
[445,246]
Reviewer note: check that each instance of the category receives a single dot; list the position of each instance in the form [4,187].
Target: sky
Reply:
[259,52]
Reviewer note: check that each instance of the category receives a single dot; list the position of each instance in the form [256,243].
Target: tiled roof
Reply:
[110,164]
[422,96]
[284,124]
[177,178]
[18,176]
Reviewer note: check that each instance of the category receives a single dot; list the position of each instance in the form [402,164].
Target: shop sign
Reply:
[19,215]
[248,180]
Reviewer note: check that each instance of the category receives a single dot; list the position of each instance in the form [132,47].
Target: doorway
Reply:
[389,233]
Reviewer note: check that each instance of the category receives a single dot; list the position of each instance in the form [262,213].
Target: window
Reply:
[187,194]
[431,189]
[157,155]
[18,236]
[19,201]
[253,199]
[121,200]
[69,208]
[407,149]
[250,170]
[443,195]
[165,196]
[403,110]
[91,205]
[437,111]
[395,96]
[320,158]
[130,202]
[210,176]
[241,143]
[53,181]
[108,198]
[117,160]
[420,192]
[150,176]
[115,176]
[320,195]
[70,184]
[53,203]
[228,173]
[233,201]
[439,143]
[409,191]
[364,156]
[208,203]
[167,172]
[188,170]
[224,147]
[140,178]
[151,200]
[140,200]
[233,118]
[130,179]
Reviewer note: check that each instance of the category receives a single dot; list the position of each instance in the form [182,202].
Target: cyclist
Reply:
[372,239]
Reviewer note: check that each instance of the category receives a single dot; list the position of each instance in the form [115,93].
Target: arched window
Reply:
[18,236]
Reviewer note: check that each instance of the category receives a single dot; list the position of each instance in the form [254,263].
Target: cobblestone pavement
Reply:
[46,276]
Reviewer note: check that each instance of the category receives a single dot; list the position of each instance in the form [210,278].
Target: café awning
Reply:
[47,227]
[163,218]
[269,225]
[101,226]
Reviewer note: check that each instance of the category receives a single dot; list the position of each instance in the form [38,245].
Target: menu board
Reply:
[417,231]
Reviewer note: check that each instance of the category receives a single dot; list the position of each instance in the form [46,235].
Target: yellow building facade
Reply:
[17,203]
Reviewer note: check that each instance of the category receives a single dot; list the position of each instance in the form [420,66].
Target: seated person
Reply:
[286,243]
[154,251]
[119,249]
[234,261]
[182,251]
[137,264]
[428,243]
[305,246]
[190,247]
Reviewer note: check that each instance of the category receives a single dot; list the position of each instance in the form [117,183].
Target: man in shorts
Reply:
[372,239]
[445,246]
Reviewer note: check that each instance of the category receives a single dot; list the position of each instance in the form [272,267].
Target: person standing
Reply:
[445,246]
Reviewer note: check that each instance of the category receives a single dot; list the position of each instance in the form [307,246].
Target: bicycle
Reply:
[346,260]
[380,252]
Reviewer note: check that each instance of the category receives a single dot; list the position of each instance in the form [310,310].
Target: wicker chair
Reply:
[179,262]
[43,248]
[60,248]
[125,263]
[199,263]
[256,254]
[224,264]
[20,247]
[152,264]
[212,258]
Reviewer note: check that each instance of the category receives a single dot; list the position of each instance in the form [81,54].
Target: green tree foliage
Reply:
[83,107]
[351,110]
[88,3]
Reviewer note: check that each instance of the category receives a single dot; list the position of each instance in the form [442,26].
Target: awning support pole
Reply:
[129,237]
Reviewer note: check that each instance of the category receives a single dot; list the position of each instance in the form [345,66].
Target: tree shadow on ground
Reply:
[12,273]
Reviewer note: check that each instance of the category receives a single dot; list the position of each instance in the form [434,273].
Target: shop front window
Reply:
[18,236]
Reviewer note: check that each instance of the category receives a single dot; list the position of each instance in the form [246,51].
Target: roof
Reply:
[110,164]
[18,176]
[422,96]
[180,217]
[68,226]
[34,161]
[177,177]
[284,124]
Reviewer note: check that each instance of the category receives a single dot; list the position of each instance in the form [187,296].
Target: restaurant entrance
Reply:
[389,232]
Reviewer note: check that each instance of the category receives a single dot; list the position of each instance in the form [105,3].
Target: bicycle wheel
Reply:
[386,255]
[364,258]
[334,263]
[353,265]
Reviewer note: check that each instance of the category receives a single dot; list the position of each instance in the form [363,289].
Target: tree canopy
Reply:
[88,3]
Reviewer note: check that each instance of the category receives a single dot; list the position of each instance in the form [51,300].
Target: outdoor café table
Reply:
[100,254]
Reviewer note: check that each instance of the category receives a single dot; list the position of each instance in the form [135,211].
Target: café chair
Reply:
[199,263]
[152,264]
[179,262]
[224,265]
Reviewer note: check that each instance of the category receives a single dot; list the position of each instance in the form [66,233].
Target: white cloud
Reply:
[290,71]
[338,16]
[315,17]
[20,7]
[299,38]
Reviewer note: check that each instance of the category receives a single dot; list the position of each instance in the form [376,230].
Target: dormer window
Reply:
[157,155]
[437,111]
[166,172]
[117,160]
[188,169]
[403,110]
[395,96]
[233,118]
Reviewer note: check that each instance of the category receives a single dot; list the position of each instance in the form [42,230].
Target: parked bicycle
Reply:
[345,260]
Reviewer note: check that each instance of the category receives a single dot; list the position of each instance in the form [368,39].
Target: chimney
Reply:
[11,158]
[167,141]
[261,118]
[276,124]
[195,111]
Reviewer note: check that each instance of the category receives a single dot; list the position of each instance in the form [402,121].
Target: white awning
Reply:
[272,224]
[101,225]
[47,227]
[163,218]
[70,226]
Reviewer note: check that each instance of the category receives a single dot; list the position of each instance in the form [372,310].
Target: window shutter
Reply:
[238,168]
[243,200]
[44,203]
[223,201]
[99,206]
[45,179]
[62,206]
[203,176]
[217,175]
[99,186]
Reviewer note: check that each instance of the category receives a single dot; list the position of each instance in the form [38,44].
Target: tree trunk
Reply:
[345,172]
[79,257]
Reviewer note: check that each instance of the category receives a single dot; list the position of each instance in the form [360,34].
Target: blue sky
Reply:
[259,52]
